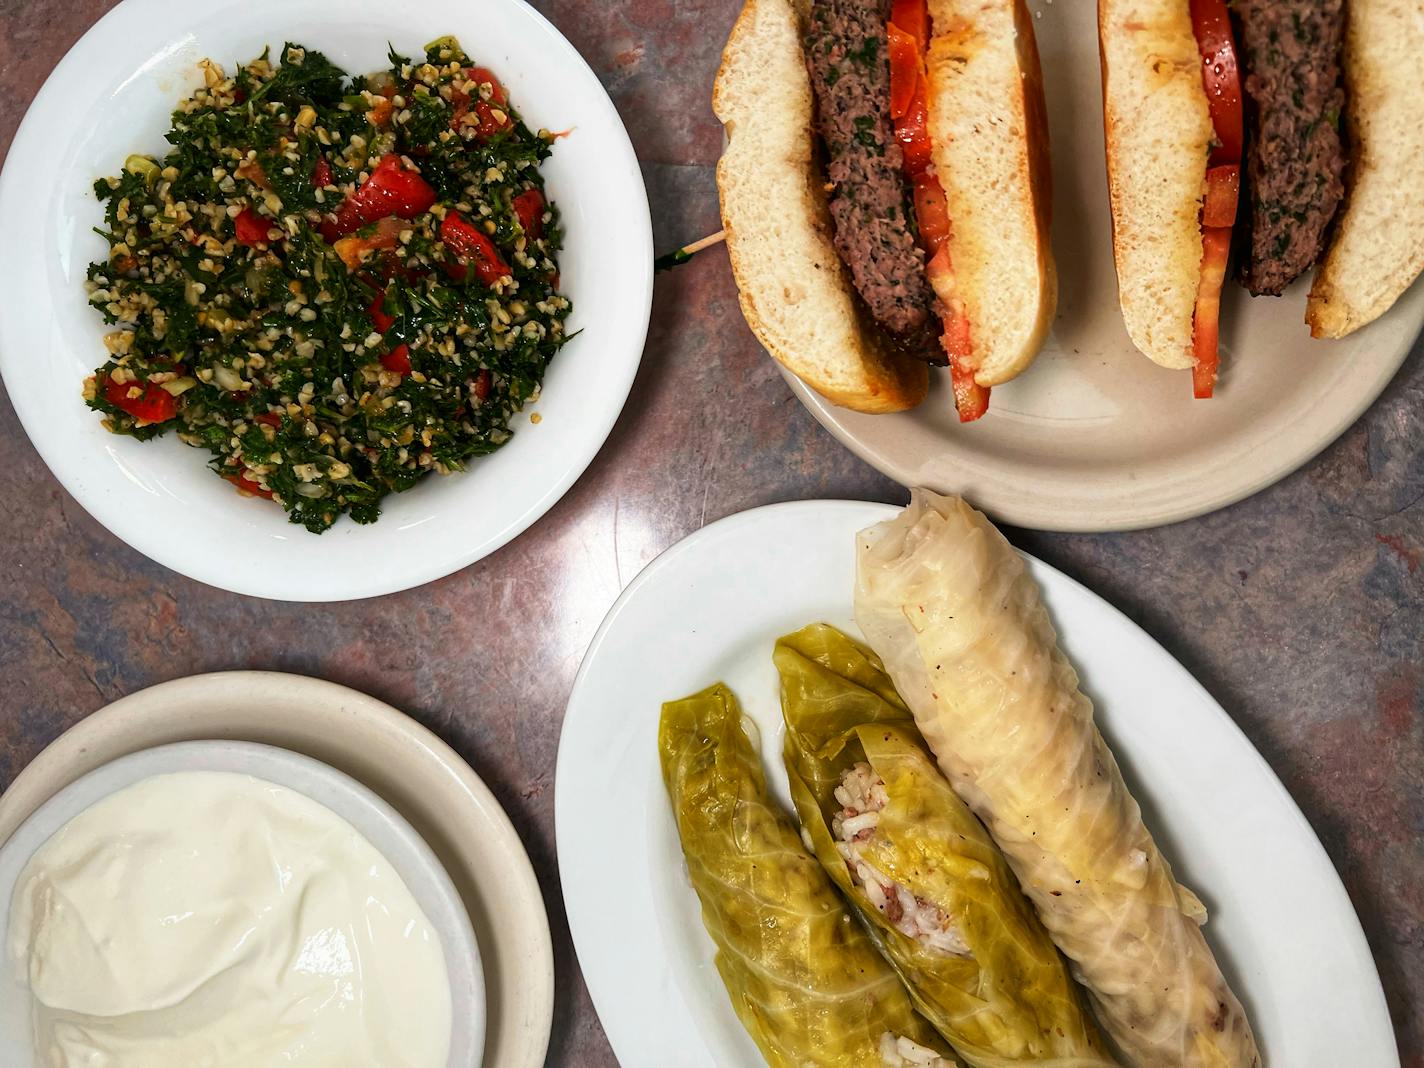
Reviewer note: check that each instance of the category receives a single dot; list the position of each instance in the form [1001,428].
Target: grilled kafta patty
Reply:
[1295,162]
[848,58]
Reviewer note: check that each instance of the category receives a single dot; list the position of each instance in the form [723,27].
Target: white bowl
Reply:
[382,826]
[112,95]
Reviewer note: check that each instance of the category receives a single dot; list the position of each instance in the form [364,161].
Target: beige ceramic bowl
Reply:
[390,754]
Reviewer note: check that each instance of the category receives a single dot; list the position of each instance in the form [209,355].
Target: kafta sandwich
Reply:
[885,193]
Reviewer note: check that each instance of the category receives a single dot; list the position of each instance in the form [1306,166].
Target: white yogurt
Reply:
[208,919]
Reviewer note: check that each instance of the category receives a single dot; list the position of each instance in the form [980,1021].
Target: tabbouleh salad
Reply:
[333,285]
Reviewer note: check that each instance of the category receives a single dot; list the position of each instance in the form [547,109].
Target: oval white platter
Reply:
[710,608]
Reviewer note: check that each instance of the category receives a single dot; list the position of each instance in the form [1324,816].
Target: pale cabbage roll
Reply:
[952,612]
[803,976]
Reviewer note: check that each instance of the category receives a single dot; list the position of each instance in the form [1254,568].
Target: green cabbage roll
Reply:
[921,870]
[804,978]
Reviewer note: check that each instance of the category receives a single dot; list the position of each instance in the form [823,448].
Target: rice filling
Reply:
[863,797]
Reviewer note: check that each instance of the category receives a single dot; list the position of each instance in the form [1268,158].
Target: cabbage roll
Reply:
[803,976]
[919,868]
[957,620]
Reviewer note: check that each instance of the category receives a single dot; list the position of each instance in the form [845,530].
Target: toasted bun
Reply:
[795,292]
[1158,130]
[1378,248]
[987,122]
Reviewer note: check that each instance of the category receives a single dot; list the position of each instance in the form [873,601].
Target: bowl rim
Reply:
[304,582]
[370,815]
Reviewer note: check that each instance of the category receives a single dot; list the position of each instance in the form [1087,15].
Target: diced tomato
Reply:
[378,315]
[493,119]
[485,76]
[913,17]
[971,400]
[488,124]
[321,174]
[251,229]
[154,404]
[1206,324]
[1223,188]
[389,190]
[380,113]
[247,485]
[473,248]
[386,235]
[253,172]
[271,419]
[398,360]
[932,213]
[905,64]
[482,384]
[529,207]
[1221,76]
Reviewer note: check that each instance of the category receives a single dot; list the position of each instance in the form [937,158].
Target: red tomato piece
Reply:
[485,76]
[154,404]
[378,315]
[932,212]
[321,174]
[913,17]
[251,229]
[247,485]
[905,65]
[473,248]
[1206,323]
[529,208]
[1221,76]
[271,419]
[488,124]
[389,190]
[386,235]
[1223,189]
[482,384]
[398,360]
[912,131]
[971,400]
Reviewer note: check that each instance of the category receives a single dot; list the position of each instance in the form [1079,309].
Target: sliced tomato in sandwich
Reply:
[1206,323]
[1221,76]
[904,70]
[912,17]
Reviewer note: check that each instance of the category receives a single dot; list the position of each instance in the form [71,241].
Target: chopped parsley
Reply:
[333,285]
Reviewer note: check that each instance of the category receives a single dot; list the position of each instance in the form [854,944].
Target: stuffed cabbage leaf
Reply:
[920,869]
[803,977]
[957,620]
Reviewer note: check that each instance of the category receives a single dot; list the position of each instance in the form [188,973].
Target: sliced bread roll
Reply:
[1158,132]
[987,122]
[794,289]
[1378,248]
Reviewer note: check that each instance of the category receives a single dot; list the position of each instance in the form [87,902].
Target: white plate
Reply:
[113,95]
[381,825]
[710,608]
[1094,436]
[400,761]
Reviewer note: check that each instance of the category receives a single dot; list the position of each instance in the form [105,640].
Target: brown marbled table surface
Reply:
[1301,609]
